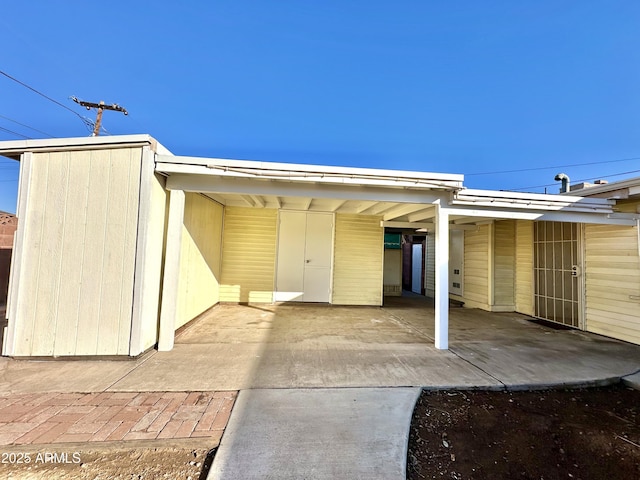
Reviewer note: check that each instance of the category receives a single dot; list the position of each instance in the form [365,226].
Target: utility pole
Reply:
[100,107]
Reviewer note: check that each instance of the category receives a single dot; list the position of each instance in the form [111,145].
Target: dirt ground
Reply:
[142,463]
[573,434]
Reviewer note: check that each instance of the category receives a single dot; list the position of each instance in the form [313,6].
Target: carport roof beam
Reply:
[307,173]
[245,186]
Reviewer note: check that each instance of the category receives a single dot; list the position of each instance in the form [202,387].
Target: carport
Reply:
[404,201]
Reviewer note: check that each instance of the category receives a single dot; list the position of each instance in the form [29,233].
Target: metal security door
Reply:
[558,273]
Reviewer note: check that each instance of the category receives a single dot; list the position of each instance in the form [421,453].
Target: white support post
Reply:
[166,334]
[442,278]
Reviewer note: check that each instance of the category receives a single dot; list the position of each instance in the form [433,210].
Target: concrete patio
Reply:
[234,347]
[325,391]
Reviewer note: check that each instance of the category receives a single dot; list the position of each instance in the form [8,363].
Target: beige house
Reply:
[120,243]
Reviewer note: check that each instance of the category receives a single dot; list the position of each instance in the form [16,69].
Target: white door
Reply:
[290,267]
[416,268]
[303,271]
[317,262]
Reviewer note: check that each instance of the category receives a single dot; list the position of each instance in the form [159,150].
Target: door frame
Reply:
[333,245]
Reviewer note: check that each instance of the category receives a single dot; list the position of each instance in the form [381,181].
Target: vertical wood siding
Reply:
[504,263]
[612,281]
[476,262]
[155,251]
[248,255]
[199,283]
[76,288]
[357,270]
[524,267]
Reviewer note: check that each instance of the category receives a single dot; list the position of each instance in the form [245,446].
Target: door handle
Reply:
[307,261]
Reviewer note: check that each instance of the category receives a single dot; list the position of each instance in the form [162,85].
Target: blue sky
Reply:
[463,87]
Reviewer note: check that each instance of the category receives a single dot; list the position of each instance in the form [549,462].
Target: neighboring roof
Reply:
[15,148]
[8,225]
[620,190]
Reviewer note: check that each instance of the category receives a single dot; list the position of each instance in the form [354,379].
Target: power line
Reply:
[577,181]
[14,133]
[27,126]
[40,93]
[553,167]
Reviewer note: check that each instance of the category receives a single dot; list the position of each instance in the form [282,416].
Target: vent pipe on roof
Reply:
[566,182]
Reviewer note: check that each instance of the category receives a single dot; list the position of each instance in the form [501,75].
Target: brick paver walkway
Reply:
[107,416]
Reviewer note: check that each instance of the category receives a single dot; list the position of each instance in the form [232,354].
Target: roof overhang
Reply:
[404,199]
[15,148]
[303,173]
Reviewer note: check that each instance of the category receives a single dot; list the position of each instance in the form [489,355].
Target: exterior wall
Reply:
[77,261]
[357,269]
[430,266]
[200,257]
[150,260]
[393,272]
[504,253]
[612,280]
[476,267]
[524,267]
[249,255]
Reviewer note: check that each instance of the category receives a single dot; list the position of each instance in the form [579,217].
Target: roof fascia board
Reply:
[295,167]
[308,177]
[17,147]
[537,197]
[573,207]
[552,216]
[245,186]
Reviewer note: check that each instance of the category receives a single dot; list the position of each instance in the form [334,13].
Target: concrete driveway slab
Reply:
[327,364]
[317,433]
[30,376]
[538,357]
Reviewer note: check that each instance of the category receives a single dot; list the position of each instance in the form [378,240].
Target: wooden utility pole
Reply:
[100,107]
